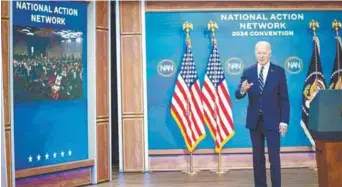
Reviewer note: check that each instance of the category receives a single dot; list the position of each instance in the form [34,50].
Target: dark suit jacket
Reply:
[273,103]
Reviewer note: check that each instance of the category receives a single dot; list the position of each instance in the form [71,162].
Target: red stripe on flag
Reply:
[199,93]
[212,129]
[181,106]
[226,94]
[219,129]
[196,127]
[199,113]
[183,110]
[181,89]
[211,112]
[181,125]
[219,138]
[217,144]
[225,113]
[207,87]
[206,101]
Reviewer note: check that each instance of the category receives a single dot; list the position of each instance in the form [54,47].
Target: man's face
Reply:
[262,53]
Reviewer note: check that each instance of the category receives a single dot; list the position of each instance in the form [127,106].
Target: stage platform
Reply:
[294,177]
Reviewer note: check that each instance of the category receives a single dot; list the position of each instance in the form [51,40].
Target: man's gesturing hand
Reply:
[245,86]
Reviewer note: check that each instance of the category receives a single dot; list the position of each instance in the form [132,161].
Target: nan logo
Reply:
[166,68]
[234,66]
[294,65]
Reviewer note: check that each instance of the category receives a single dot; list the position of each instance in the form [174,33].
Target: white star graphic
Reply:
[38,157]
[54,155]
[62,153]
[46,156]
[30,158]
[69,152]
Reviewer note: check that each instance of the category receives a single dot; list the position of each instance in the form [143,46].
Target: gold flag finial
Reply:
[211,27]
[313,26]
[187,26]
[336,25]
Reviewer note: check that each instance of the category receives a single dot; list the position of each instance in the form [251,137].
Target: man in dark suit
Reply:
[268,112]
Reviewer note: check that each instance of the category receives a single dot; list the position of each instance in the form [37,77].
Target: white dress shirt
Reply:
[265,71]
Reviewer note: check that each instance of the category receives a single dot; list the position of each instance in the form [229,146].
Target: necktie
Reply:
[261,79]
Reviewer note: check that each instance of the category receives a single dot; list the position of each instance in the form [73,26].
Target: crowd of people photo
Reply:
[38,78]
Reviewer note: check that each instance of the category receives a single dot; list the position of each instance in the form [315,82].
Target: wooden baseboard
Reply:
[53,168]
[224,151]
[75,177]
[228,161]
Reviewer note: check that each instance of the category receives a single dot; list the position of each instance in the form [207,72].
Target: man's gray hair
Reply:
[265,43]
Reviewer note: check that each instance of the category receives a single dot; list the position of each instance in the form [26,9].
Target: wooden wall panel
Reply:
[6,92]
[132,98]
[133,143]
[5,9]
[130,19]
[102,56]
[8,156]
[102,73]
[102,91]
[102,149]
[131,64]
[102,14]
[5,66]
[236,5]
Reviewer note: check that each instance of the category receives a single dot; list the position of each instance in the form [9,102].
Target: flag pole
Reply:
[187,26]
[211,27]
[313,26]
[220,171]
[219,159]
[191,170]
[337,26]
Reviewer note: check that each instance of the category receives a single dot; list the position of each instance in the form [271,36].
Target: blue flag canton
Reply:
[188,70]
[214,70]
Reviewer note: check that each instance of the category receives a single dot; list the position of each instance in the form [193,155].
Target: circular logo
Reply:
[293,65]
[166,68]
[234,66]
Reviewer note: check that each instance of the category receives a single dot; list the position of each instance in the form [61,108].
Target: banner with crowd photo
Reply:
[49,72]
[237,33]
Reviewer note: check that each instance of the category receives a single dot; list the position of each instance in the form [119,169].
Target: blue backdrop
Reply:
[50,132]
[237,34]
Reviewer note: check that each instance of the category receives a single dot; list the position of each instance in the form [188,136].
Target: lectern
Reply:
[325,126]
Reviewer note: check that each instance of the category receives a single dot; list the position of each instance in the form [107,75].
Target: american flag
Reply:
[216,102]
[186,106]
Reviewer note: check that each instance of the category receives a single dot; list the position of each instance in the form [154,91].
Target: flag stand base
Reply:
[191,172]
[313,168]
[219,170]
